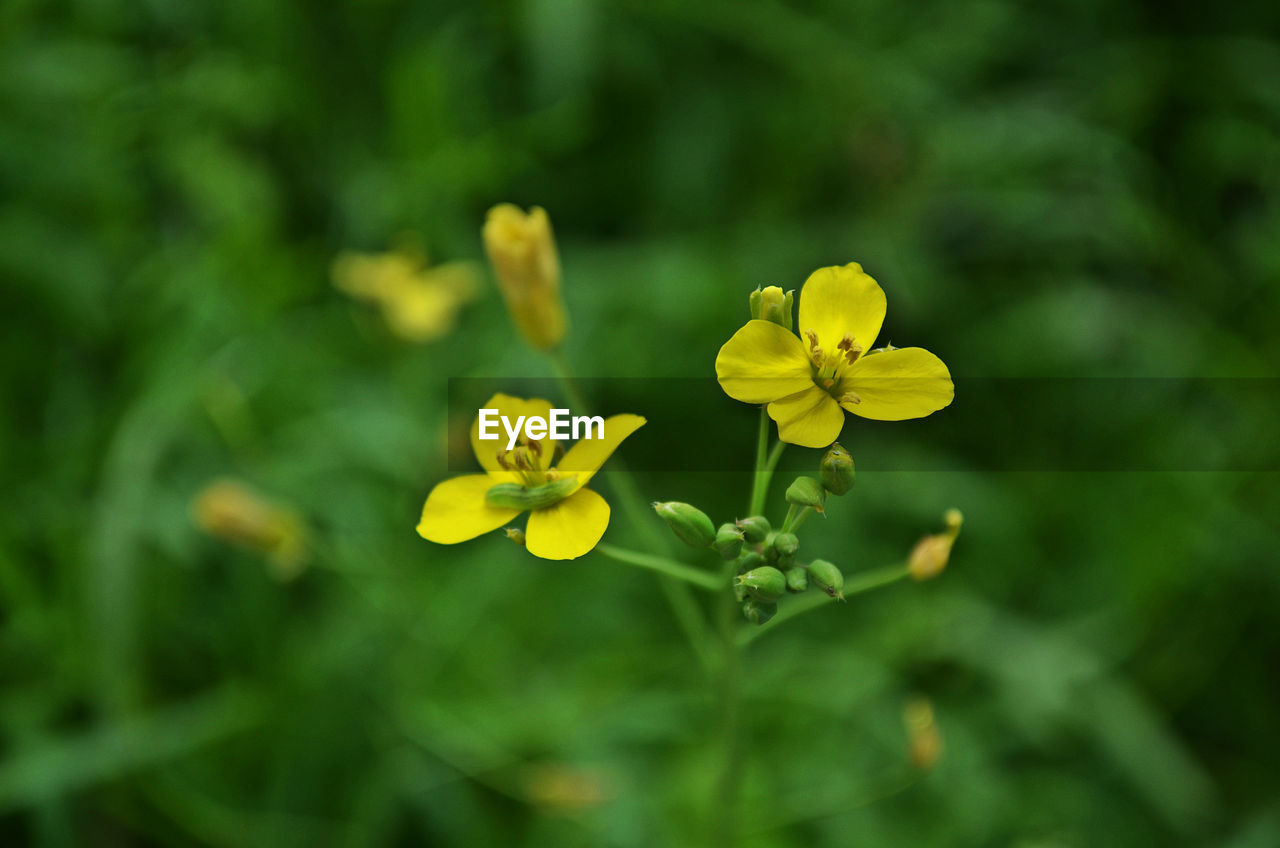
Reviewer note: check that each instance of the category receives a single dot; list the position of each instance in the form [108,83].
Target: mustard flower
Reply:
[466,507]
[809,380]
[419,303]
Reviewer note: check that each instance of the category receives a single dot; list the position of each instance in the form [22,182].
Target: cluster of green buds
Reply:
[765,564]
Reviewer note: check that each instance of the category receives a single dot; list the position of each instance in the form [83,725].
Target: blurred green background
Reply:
[1075,189]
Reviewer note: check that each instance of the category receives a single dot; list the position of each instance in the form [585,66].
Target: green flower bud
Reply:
[689,523]
[754,529]
[772,304]
[758,612]
[797,580]
[827,578]
[806,491]
[765,583]
[836,470]
[749,560]
[515,534]
[729,541]
[785,545]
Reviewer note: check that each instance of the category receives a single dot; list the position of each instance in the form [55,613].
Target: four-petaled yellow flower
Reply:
[464,507]
[808,383]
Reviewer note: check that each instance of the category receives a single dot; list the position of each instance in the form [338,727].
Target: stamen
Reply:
[850,397]
[852,350]
[816,356]
[522,460]
[502,461]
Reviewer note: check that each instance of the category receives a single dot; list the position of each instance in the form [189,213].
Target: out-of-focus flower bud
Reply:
[515,534]
[806,491]
[765,583]
[758,612]
[827,578]
[924,742]
[567,790]
[772,304]
[754,529]
[522,251]
[729,541]
[836,470]
[797,580]
[689,523]
[932,553]
[235,513]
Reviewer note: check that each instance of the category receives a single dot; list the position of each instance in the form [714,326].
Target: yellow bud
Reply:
[235,513]
[772,304]
[930,555]
[924,742]
[522,251]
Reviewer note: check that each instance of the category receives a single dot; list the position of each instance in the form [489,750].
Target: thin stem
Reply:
[679,597]
[725,801]
[795,517]
[662,565]
[766,461]
[791,608]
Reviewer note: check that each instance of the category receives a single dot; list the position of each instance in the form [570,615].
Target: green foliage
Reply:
[1085,189]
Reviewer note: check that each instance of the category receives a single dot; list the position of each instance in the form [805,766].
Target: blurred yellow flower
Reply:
[807,384]
[565,528]
[233,512]
[419,304]
[522,250]
[924,741]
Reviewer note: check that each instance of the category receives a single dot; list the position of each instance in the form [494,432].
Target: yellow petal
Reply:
[569,529]
[512,408]
[894,385]
[811,418]
[762,362]
[455,511]
[841,300]
[587,455]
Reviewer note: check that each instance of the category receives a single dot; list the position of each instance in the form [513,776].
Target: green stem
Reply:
[679,597]
[662,565]
[766,462]
[795,517]
[725,802]
[791,608]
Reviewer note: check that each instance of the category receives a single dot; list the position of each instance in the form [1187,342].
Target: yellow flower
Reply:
[419,304]
[235,513]
[522,251]
[458,510]
[806,383]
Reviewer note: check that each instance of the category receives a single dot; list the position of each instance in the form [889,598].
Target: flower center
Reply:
[829,366]
[530,460]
